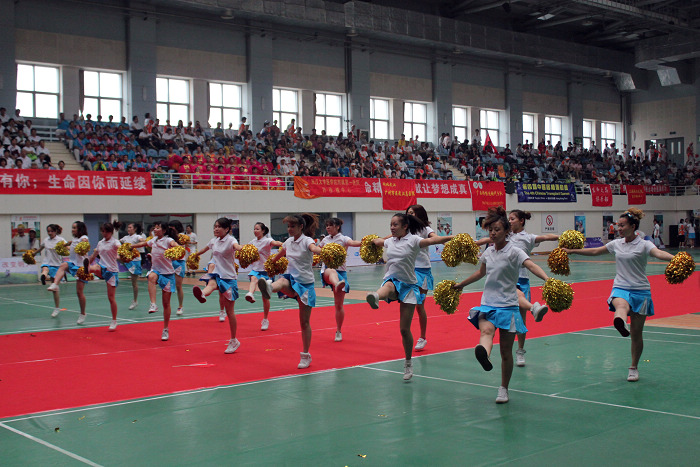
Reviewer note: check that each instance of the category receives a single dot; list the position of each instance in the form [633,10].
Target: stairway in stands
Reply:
[59,152]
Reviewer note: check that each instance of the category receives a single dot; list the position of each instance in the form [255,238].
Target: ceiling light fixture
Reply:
[227,14]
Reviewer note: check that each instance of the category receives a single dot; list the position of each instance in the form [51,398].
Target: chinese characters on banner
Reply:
[636,194]
[442,189]
[546,193]
[398,194]
[660,189]
[486,195]
[315,187]
[601,195]
[74,182]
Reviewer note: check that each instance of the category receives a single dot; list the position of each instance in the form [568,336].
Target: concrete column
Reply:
[539,131]
[8,65]
[141,64]
[259,89]
[357,74]
[70,75]
[440,118]
[513,124]
[474,121]
[307,112]
[200,102]
[574,91]
[397,111]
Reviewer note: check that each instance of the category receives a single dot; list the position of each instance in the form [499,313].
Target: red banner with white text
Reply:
[659,189]
[398,194]
[74,182]
[601,194]
[442,189]
[636,194]
[316,187]
[486,195]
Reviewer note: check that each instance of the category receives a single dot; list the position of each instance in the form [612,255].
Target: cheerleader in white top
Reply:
[631,293]
[52,261]
[135,235]
[107,268]
[264,243]
[162,273]
[400,282]
[500,264]
[180,267]
[424,272]
[337,279]
[224,277]
[298,281]
[75,261]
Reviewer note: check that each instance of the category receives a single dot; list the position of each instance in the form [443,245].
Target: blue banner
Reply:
[546,193]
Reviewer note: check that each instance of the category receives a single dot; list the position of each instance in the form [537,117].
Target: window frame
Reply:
[604,137]
[587,139]
[456,128]
[278,113]
[169,103]
[529,135]
[223,107]
[373,119]
[494,133]
[326,116]
[409,126]
[99,98]
[34,92]
[549,135]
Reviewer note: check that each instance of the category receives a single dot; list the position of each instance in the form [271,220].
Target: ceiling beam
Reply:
[629,10]
[484,7]
[571,19]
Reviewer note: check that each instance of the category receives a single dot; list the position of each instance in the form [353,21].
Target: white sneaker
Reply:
[133,305]
[633,375]
[153,308]
[165,335]
[340,286]
[113,325]
[81,319]
[249,297]
[338,336]
[305,360]
[264,325]
[373,300]
[55,312]
[407,370]
[420,343]
[52,288]
[233,344]
[520,357]
[265,286]
[502,397]
[222,316]
[179,311]
[538,311]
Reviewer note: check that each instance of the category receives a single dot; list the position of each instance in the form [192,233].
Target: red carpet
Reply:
[62,369]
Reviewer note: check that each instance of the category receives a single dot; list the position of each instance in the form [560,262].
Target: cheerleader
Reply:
[501,264]
[264,244]
[631,293]
[298,282]
[162,272]
[52,262]
[424,273]
[224,276]
[79,232]
[135,235]
[180,267]
[400,282]
[337,279]
[107,268]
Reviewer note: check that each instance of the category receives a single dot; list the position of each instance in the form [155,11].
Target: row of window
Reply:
[102,94]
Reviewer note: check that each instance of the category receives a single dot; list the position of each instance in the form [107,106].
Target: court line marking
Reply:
[646,340]
[553,396]
[51,446]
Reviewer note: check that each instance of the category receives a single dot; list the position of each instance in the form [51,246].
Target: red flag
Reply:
[636,194]
[601,195]
[398,194]
[486,195]
[488,145]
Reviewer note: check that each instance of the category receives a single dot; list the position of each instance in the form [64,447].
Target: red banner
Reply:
[398,194]
[636,194]
[486,195]
[601,194]
[74,182]
[315,187]
[652,189]
[442,189]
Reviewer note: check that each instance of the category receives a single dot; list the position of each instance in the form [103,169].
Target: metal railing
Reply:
[198,181]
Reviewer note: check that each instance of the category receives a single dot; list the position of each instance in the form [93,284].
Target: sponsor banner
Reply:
[444,224]
[15,271]
[442,189]
[74,182]
[601,195]
[398,194]
[636,194]
[593,242]
[546,193]
[315,187]
[549,223]
[486,195]
[651,189]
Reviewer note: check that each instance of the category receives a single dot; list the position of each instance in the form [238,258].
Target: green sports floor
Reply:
[570,405]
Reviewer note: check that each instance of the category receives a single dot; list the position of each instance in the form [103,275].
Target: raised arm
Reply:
[535,269]
[601,250]
[546,238]
[315,249]
[380,241]
[436,240]
[281,253]
[203,250]
[476,275]
[357,243]
[660,254]
[483,241]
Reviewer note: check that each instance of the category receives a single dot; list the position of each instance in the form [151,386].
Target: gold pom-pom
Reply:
[148,239]
[28,257]
[679,268]
[61,249]
[84,276]
[461,249]
[369,252]
[558,294]
[248,255]
[126,253]
[333,255]
[175,253]
[183,239]
[446,296]
[572,239]
[193,261]
[82,248]
[274,268]
[558,262]
[317,260]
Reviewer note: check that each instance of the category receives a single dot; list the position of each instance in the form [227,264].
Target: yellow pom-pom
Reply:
[317,260]
[193,261]
[84,276]
[461,249]
[333,255]
[126,253]
[558,294]
[28,257]
[446,296]
[572,239]
[175,253]
[248,255]
[82,248]
[183,239]
[62,249]
[558,262]
[274,268]
[679,268]
[369,252]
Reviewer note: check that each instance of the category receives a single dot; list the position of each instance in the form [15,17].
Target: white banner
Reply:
[15,271]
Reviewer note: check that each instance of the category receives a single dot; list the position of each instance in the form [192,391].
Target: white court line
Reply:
[645,340]
[553,396]
[51,446]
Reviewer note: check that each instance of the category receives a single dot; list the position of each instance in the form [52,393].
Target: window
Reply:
[37,91]
[459,124]
[528,128]
[329,115]
[224,104]
[379,119]
[607,134]
[552,130]
[489,125]
[173,100]
[285,107]
[102,94]
[415,120]
[587,133]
